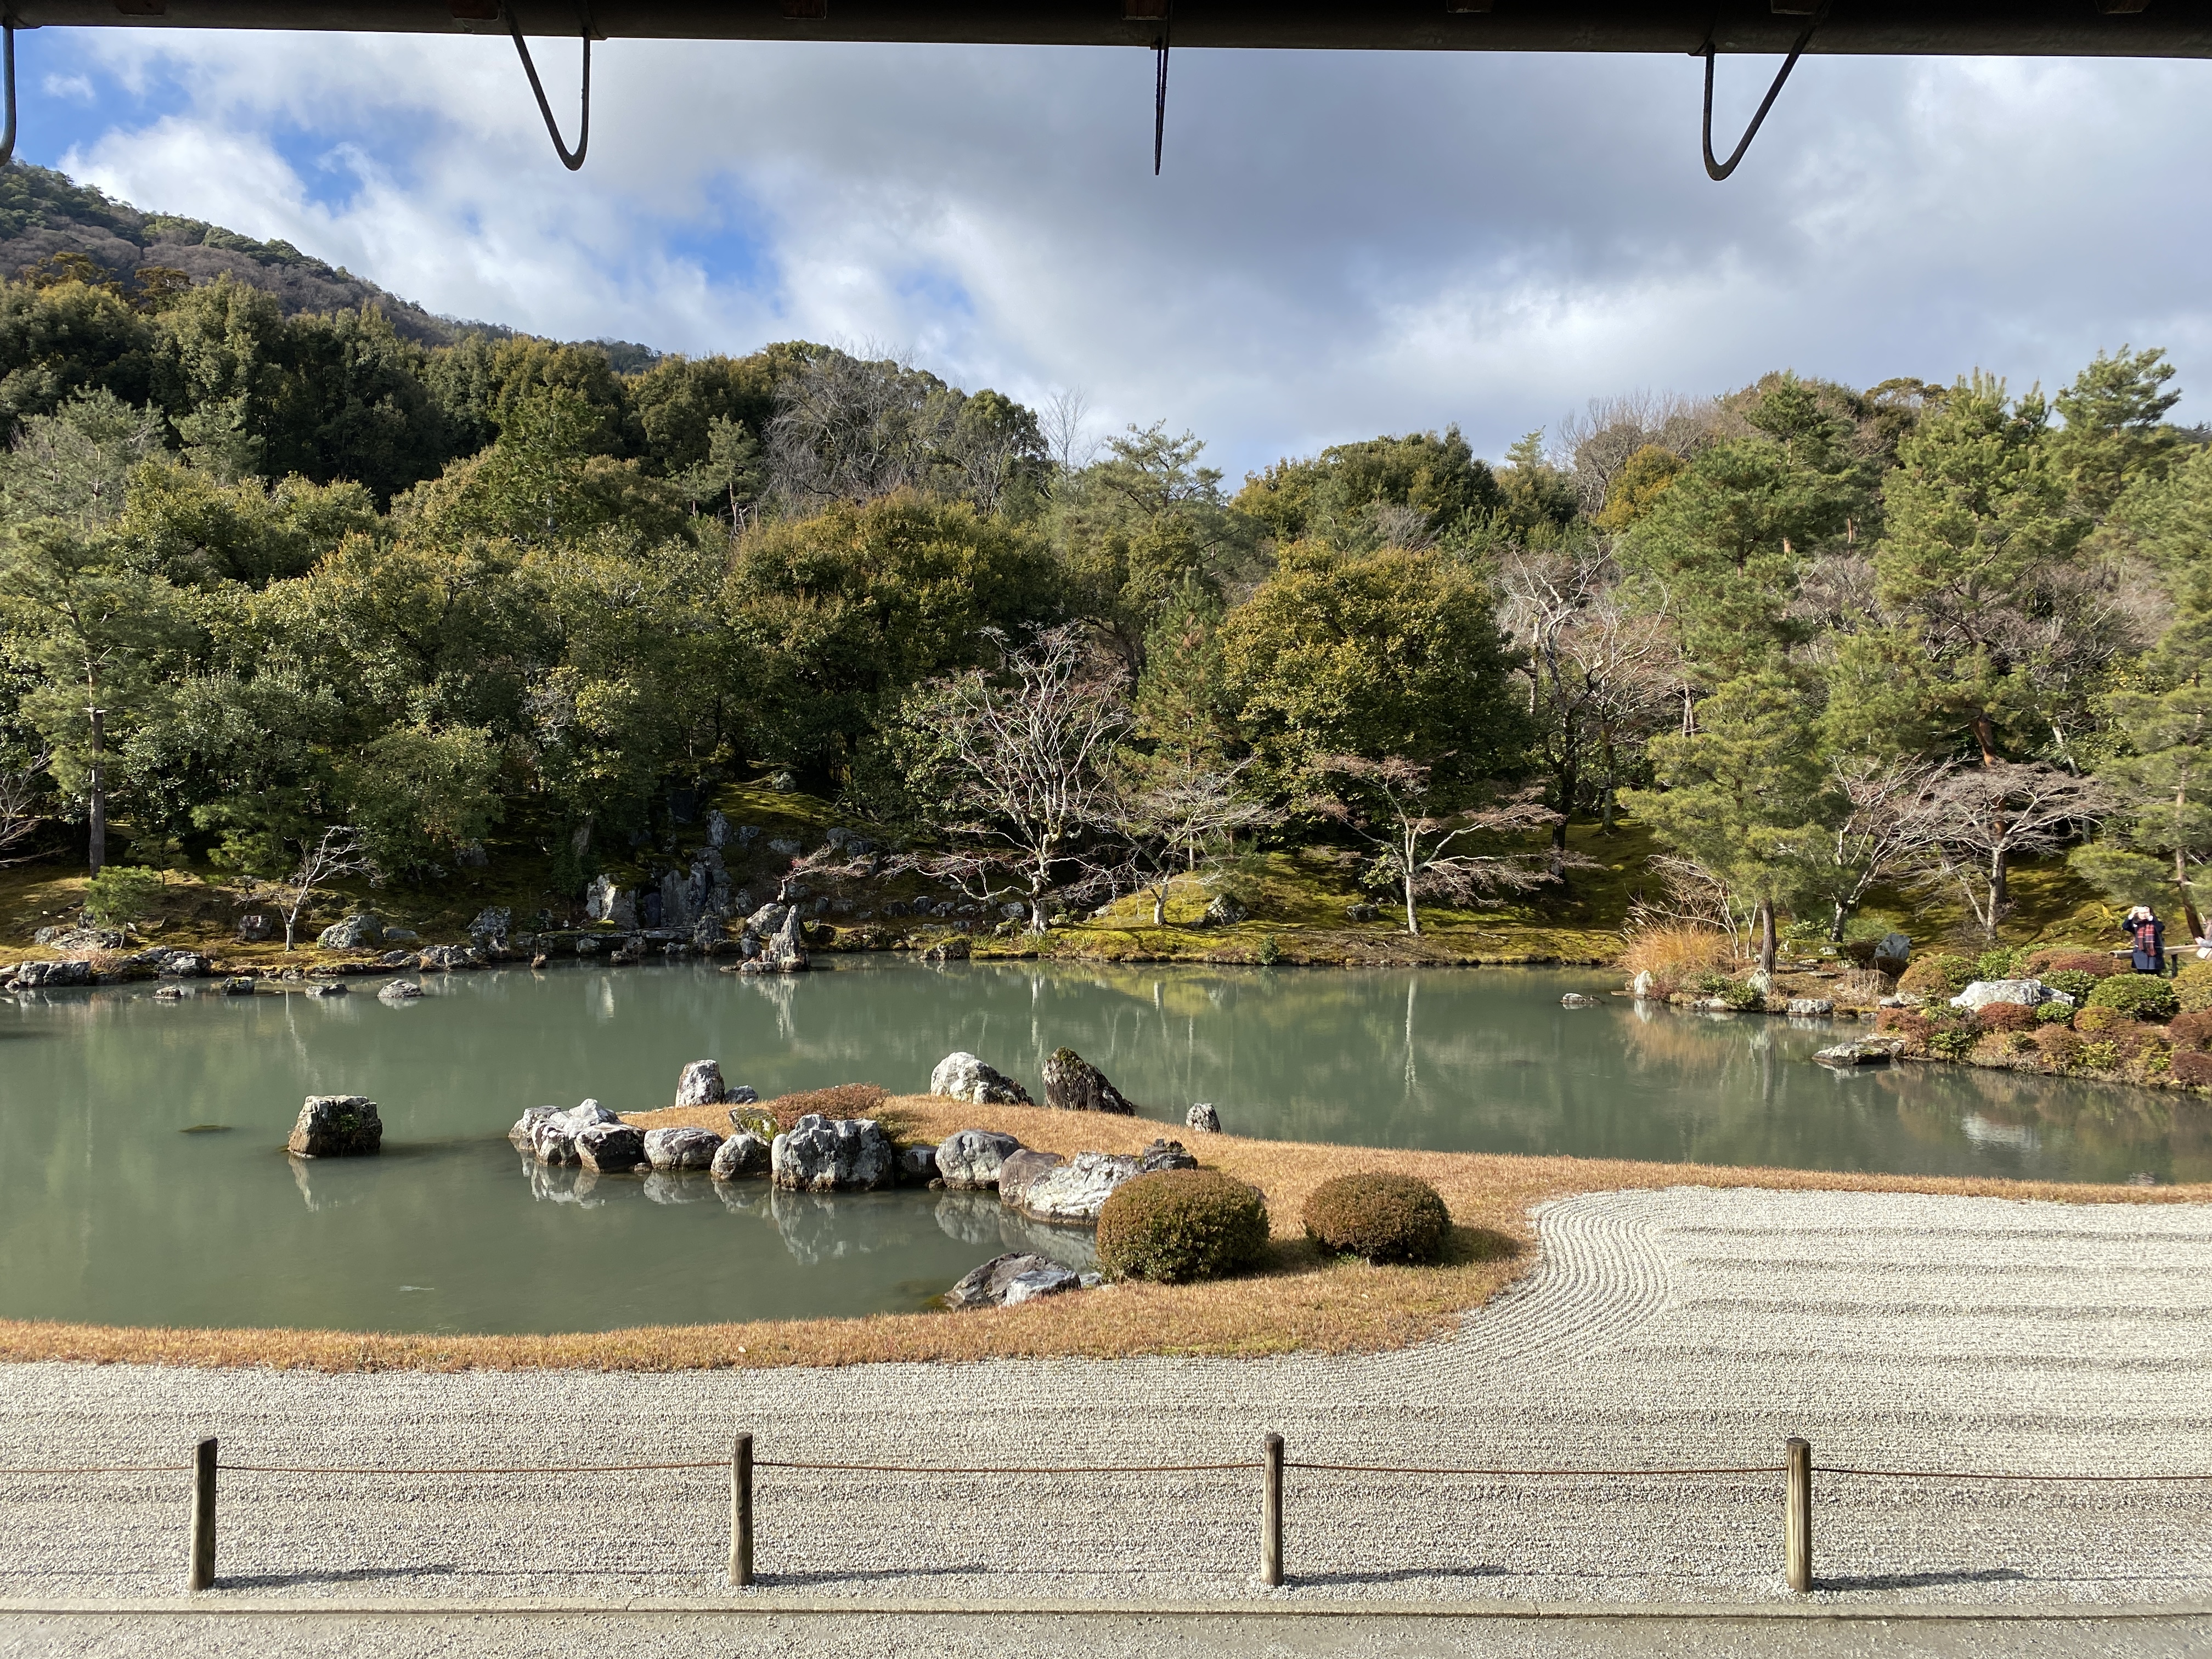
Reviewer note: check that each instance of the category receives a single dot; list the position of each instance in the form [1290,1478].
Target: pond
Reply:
[144,1183]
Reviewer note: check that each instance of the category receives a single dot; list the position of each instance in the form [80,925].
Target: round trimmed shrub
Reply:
[2069,959]
[2076,983]
[1914,1027]
[1381,1217]
[2004,1017]
[2192,1069]
[1177,1226]
[2139,996]
[2192,986]
[1938,975]
[2060,1046]
[2091,1021]
[2192,1030]
[2053,1013]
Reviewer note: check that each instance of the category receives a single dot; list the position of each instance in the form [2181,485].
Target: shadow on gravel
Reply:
[1923,1580]
[345,1576]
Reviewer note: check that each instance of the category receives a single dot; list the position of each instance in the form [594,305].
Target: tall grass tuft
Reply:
[1675,955]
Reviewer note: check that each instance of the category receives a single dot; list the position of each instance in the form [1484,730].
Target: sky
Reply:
[1340,244]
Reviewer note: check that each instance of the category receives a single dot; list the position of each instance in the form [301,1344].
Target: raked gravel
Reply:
[1661,1328]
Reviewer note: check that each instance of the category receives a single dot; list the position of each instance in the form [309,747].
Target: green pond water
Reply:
[119,1204]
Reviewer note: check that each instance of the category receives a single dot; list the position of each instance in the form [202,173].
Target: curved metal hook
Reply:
[1717,171]
[8,69]
[552,127]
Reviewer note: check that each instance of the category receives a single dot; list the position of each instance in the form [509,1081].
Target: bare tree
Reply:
[340,850]
[1170,825]
[1693,896]
[1017,764]
[1600,440]
[1894,812]
[1064,421]
[1984,817]
[1388,804]
[19,799]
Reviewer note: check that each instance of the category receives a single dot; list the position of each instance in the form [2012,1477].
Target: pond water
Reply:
[145,1180]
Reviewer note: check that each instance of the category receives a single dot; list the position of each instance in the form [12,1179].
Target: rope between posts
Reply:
[105,1469]
[1072,1468]
[1963,1475]
[543,1469]
[1393,1468]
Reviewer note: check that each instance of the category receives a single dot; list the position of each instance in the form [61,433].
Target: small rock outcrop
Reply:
[825,1155]
[1867,1051]
[50,975]
[1073,1084]
[336,1126]
[917,1165]
[1010,1280]
[743,1154]
[700,1084]
[494,921]
[1076,1190]
[2024,993]
[681,1149]
[781,951]
[970,1158]
[400,990]
[1164,1155]
[1810,1007]
[1226,911]
[610,1148]
[1202,1119]
[1576,999]
[356,932]
[1019,1171]
[960,1076]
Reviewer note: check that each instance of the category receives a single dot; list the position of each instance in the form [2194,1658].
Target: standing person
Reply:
[2146,937]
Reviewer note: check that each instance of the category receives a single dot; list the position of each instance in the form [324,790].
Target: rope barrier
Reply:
[524,1468]
[1964,1474]
[105,1468]
[1391,1468]
[1070,1468]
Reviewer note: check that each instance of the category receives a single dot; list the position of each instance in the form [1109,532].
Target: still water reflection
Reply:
[144,1182]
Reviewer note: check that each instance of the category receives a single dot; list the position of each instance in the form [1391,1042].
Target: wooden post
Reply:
[1797,1514]
[199,1572]
[1271,1511]
[741,1512]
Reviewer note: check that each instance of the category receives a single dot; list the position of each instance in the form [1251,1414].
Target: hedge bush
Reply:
[2070,959]
[2053,1013]
[1381,1217]
[2076,983]
[2139,996]
[2092,1021]
[2192,1030]
[2001,964]
[1177,1225]
[1938,975]
[2191,1068]
[2060,1046]
[2004,1017]
[1904,1023]
[2192,986]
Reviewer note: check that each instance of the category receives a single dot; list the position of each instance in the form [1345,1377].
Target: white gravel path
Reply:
[1661,1328]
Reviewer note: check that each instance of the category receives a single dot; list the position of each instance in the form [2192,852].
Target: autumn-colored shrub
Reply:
[2191,1068]
[2090,1022]
[2099,1056]
[2005,1016]
[1174,1226]
[2043,962]
[2192,986]
[2139,996]
[2192,1030]
[1904,1023]
[1938,975]
[2059,1044]
[840,1100]
[1674,956]
[1381,1217]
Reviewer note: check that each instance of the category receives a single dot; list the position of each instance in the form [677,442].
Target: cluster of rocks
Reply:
[70,972]
[1865,1051]
[1071,1084]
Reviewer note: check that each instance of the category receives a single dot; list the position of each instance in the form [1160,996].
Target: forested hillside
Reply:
[275,563]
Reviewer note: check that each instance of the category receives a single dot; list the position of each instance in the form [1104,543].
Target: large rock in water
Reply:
[826,1155]
[610,1148]
[356,932]
[1019,1170]
[970,1158]
[1076,1190]
[1073,1084]
[700,1084]
[398,991]
[336,1126]
[960,1076]
[743,1153]
[2024,993]
[781,951]
[1009,1280]
[1203,1119]
[681,1149]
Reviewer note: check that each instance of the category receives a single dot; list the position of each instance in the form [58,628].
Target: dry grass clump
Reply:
[1377,1217]
[841,1101]
[1675,955]
[1298,1300]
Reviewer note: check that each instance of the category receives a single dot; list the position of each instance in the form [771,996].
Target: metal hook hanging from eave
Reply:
[8,69]
[1717,171]
[552,127]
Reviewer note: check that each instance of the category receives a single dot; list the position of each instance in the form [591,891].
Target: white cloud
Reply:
[1340,244]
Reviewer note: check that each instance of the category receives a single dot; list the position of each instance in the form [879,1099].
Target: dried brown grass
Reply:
[1299,1300]
[1675,955]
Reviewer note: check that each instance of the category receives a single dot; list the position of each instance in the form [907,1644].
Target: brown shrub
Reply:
[2192,1068]
[1675,956]
[2095,1021]
[841,1100]
[2005,1016]
[2072,959]
[1914,1027]
[1937,975]
[2060,1046]
[1381,1217]
[2191,1031]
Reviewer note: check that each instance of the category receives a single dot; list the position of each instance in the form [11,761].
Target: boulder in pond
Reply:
[1074,1191]
[331,987]
[609,1148]
[1073,1084]
[1017,1170]
[994,1283]
[51,976]
[1202,1119]
[970,1158]
[819,1154]
[1576,999]
[783,951]
[398,991]
[523,1135]
[917,1165]
[701,1084]
[239,985]
[1867,1051]
[1643,987]
[681,1148]
[960,1076]
[1810,1007]
[336,1126]
[356,932]
[743,1154]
